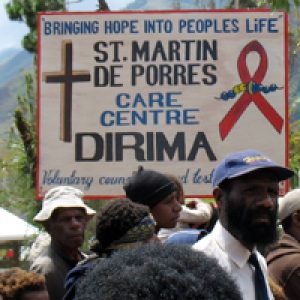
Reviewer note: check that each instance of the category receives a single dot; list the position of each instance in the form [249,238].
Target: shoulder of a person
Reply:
[42,265]
[87,258]
[294,274]
[204,243]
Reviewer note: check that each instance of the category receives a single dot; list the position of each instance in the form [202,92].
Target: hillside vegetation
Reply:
[13,65]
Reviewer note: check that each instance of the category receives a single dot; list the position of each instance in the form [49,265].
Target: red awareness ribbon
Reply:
[242,103]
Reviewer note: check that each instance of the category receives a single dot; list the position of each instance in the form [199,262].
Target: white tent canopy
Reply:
[13,228]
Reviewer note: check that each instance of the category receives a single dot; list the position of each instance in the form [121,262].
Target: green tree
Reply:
[24,121]
[279,4]
[243,4]
[26,11]
[274,4]
[17,169]
[294,157]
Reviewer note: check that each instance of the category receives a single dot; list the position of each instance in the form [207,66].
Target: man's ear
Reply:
[46,225]
[218,195]
[296,219]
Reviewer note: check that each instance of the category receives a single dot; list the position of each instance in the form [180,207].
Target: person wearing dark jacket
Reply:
[158,272]
[283,257]
[64,216]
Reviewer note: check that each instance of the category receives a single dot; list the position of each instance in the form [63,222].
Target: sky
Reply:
[12,32]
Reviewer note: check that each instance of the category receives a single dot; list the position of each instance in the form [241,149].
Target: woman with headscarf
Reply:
[121,224]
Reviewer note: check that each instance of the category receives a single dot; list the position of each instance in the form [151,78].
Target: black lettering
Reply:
[151,75]
[136,146]
[192,73]
[116,50]
[141,53]
[136,71]
[106,76]
[150,146]
[91,146]
[97,47]
[159,51]
[201,142]
[187,48]
[101,76]
[109,147]
[206,71]
[212,50]
[163,146]
[98,142]
[180,74]
[174,53]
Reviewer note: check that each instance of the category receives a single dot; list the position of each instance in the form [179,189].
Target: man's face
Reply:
[166,212]
[250,208]
[66,227]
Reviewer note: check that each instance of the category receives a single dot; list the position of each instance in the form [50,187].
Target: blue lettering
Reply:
[106,118]
[121,118]
[119,102]
[123,26]
[47,28]
[189,118]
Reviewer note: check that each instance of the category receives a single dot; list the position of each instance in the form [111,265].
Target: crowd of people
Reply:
[157,244]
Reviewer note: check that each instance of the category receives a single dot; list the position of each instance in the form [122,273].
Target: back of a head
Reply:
[288,204]
[117,218]
[15,282]
[158,272]
[288,212]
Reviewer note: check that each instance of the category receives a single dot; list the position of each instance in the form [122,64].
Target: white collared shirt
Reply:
[233,257]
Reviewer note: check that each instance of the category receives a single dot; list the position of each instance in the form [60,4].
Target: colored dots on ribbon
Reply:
[249,87]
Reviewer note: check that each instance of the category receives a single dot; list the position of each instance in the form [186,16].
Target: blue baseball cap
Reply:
[244,162]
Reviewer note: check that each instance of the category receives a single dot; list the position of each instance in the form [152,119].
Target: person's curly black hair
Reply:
[115,219]
[15,282]
[158,272]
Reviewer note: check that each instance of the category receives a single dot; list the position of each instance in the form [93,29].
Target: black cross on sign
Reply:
[66,77]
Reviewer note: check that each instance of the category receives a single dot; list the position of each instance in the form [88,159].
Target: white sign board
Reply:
[173,91]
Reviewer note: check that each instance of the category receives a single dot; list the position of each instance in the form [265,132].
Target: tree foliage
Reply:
[26,11]
[279,4]
[243,4]
[25,123]
[294,154]
[17,169]
[273,4]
